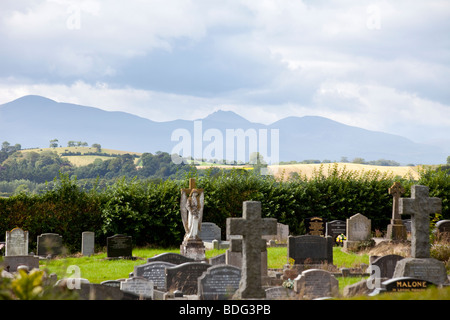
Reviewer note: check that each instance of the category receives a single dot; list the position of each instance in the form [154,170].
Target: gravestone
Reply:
[396,230]
[443,227]
[154,271]
[16,242]
[281,236]
[336,228]
[384,266]
[170,257]
[138,286]
[11,263]
[251,227]
[279,293]
[310,249]
[420,265]
[358,229]
[87,243]
[210,231]
[315,226]
[406,284]
[49,244]
[233,256]
[184,277]
[219,282]
[119,246]
[219,259]
[111,283]
[316,283]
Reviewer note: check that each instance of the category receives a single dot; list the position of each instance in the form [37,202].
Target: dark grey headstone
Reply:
[49,244]
[443,226]
[10,263]
[170,257]
[210,231]
[184,277]
[385,265]
[219,282]
[310,249]
[154,271]
[119,246]
[336,228]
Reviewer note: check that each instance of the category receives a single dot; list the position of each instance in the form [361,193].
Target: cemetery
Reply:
[252,256]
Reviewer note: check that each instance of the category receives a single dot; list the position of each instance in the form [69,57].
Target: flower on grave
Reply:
[341,238]
[288,284]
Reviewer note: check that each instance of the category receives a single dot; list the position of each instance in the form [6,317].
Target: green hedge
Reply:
[150,212]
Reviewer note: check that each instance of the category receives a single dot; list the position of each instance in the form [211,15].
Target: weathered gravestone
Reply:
[219,282]
[87,243]
[170,257]
[119,246]
[336,228]
[184,277]
[315,226]
[154,271]
[310,249]
[358,229]
[210,231]
[281,236]
[316,283]
[420,265]
[16,242]
[49,244]
[95,291]
[233,256]
[443,228]
[138,286]
[11,263]
[251,227]
[384,267]
[396,230]
[279,293]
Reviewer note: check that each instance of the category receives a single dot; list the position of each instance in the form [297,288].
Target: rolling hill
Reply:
[33,121]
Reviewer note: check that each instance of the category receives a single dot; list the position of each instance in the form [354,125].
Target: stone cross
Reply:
[396,190]
[251,227]
[420,206]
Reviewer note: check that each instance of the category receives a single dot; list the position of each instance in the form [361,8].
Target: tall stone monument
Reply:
[251,227]
[191,207]
[396,230]
[420,265]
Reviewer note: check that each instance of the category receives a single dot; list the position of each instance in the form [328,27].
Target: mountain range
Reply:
[33,121]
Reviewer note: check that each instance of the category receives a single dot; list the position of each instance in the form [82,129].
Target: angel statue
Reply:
[191,205]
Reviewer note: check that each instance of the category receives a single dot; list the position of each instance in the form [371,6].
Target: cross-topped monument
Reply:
[396,230]
[420,206]
[251,227]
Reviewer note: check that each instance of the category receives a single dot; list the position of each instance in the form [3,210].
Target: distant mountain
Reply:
[33,121]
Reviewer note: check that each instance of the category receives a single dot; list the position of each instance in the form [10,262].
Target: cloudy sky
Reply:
[380,65]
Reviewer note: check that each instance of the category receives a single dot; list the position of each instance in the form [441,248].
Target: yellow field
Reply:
[309,169]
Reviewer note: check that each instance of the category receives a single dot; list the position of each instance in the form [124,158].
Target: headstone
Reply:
[111,283]
[219,282]
[442,227]
[191,207]
[384,266]
[154,271]
[119,246]
[407,224]
[219,259]
[310,249]
[279,293]
[336,228]
[358,229]
[420,265]
[170,257]
[139,286]
[11,263]
[315,226]
[406,284]
[233,256]
[316,283]
[95,291]
[281,236]
[87,243]
[16,242]
[251,227]
[49,244]
[396,229]
[210,231]
[184,277]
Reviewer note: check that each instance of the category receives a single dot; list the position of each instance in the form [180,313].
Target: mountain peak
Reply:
[225,116]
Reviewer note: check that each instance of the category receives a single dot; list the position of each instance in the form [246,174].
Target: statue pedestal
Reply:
[396,230]
[194,249]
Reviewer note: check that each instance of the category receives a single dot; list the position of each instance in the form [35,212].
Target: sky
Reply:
[378,65]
